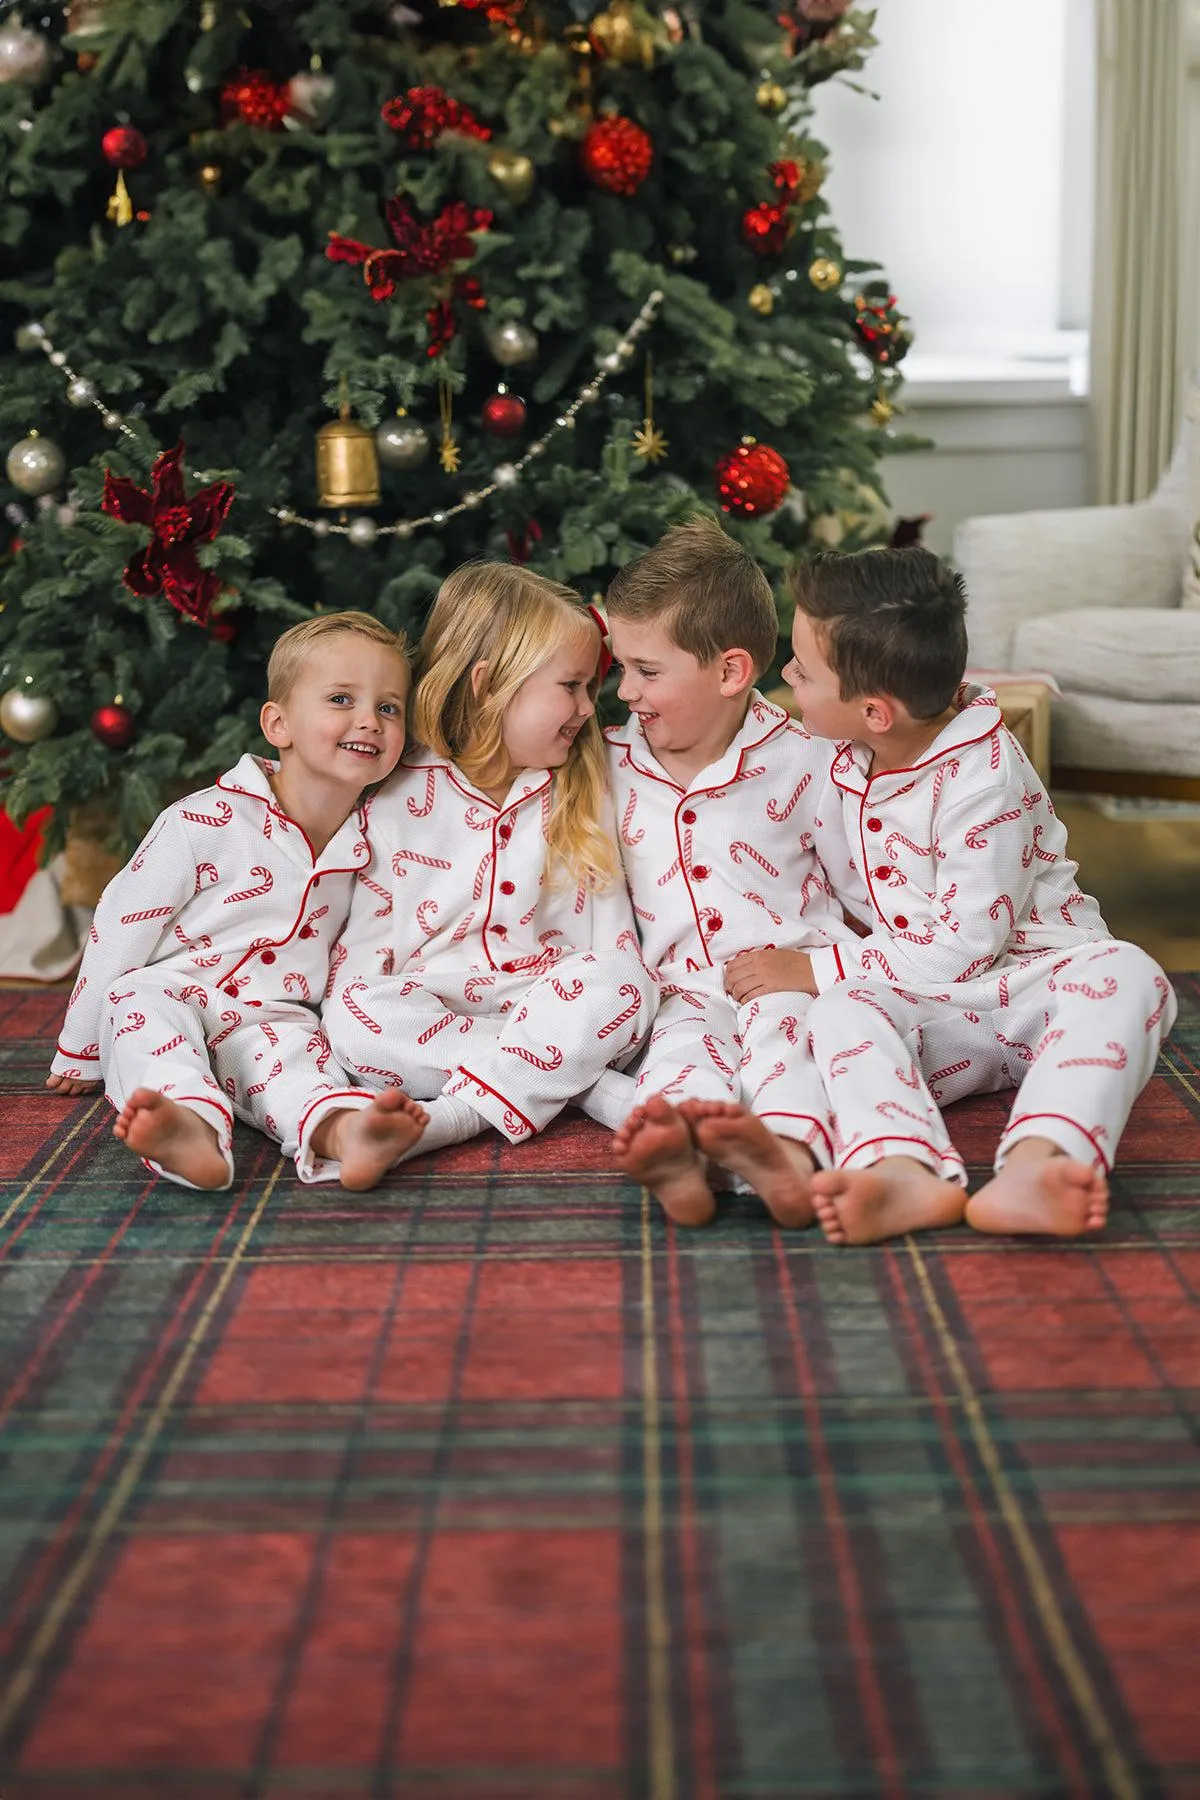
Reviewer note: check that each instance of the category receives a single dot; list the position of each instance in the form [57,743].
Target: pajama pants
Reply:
[706,1047]
[516,1050]
[269,1063]
[1078,1035]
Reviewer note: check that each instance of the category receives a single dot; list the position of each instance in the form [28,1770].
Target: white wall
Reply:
[954,178]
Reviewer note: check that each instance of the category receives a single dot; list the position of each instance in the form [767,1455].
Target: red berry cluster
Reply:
[767,227]
[424,113]
[617,155]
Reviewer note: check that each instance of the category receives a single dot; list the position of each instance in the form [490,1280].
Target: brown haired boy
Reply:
[210,950]
[715,793]
[986,967]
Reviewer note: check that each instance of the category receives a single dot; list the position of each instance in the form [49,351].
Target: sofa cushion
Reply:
[1152,656]
[1089,731]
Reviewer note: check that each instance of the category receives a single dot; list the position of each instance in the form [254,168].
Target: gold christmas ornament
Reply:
[825,274]
[761,299]
[449,454]
[347,462]
[809,185]
[624,33]
[881,409]
[649,443]
[513,174]
[210,177]
[771,97]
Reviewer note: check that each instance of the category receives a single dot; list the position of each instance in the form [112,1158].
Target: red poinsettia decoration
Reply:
[168,565]
[421,248]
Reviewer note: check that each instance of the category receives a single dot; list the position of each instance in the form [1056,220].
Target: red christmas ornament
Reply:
[617,155]
[497,12]
[168,564]
[766,228]
[124,147]
[752,480]
[504,414]
[424,113]
[115,726]
[256,98]
[422,249]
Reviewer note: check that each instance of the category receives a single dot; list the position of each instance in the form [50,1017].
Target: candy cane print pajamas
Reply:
[206,959]
[463,970]
[726,866]
[986,968]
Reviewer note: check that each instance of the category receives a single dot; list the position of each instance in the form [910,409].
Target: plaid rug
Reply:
[490,1484]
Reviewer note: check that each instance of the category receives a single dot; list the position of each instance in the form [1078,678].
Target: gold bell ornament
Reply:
[347,461]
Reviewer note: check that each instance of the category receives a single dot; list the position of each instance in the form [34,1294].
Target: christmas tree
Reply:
[313,302]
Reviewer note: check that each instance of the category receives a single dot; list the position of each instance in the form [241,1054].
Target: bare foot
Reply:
[1041,1189]
[779,1170]
[897,1194]
[655,1147]
[368,1140]
[173,1136]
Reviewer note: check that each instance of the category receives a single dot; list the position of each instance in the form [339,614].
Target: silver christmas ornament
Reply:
[36,465]
[31,336]
[402,444]
[363,531]
[81,391]
[25,55]
[27,718]
[511,342]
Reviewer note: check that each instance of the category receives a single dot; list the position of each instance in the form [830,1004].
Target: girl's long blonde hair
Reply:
[514,621]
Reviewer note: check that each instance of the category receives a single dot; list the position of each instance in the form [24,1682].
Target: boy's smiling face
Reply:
[342,723]
[672,694]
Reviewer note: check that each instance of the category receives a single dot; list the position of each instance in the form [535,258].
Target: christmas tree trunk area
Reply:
[313,303]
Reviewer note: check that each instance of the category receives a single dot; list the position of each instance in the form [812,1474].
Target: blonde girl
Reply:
[490,966]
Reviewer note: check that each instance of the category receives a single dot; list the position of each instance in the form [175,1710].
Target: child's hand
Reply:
[68,1084]
[758,972]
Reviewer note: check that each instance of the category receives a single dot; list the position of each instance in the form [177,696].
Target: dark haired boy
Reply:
[715,799]
[986,967]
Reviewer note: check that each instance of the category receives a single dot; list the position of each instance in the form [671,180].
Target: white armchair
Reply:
[1093,595]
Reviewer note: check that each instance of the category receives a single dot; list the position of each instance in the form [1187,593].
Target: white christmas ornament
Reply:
[27,718]
[25,55]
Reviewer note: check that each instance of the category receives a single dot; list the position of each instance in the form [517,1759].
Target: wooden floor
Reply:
[1146,875]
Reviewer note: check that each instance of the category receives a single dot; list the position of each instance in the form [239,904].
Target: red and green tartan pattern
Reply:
[491,1484]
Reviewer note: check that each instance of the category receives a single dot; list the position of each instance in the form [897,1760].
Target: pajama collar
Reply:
[347,849]
[762,721]
[978,719]
[526,784]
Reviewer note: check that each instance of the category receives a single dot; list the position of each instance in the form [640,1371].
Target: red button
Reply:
[500,930]
[506,831]
[874,824]
[688,817]
[506,887]
[254,1003]
[900,922]
[883,872]
[507,968]
[268,956]
[699,873]
[714,923]
[307,931]
[231,990]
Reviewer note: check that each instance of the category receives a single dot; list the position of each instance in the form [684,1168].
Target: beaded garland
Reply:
[364,530]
